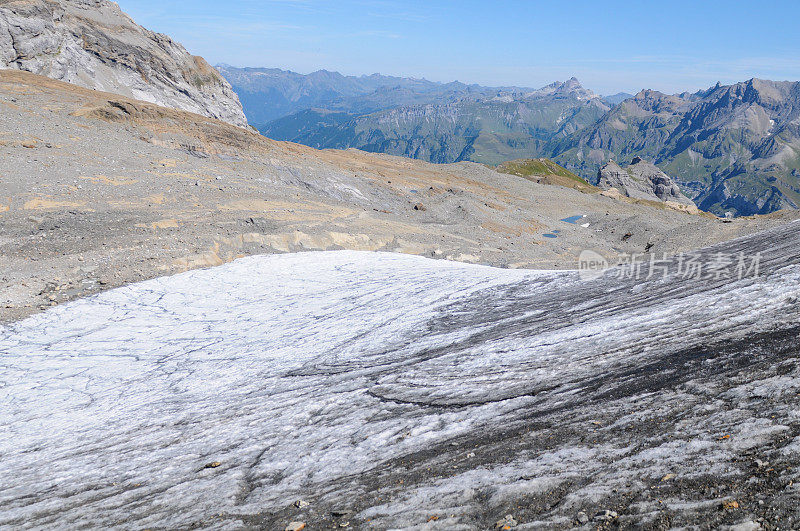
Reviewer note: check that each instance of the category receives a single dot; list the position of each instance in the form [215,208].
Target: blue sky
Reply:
[610,46]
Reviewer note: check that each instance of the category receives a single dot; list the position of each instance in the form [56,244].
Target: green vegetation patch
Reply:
[540,167]
[545,171]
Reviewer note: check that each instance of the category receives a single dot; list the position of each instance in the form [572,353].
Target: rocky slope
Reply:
[488,126]
[92,43]
[98,190]
[733,148]
[641,180]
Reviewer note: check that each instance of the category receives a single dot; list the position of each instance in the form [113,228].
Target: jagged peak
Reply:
[649,94]
[325,73]
[571,87]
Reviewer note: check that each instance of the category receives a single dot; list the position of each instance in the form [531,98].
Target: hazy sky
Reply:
[610,46]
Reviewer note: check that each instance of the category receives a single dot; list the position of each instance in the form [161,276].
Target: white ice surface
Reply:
[263,362]
[294,370]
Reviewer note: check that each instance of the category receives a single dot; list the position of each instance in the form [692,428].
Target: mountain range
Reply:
[437,122]
[268,94]
[733,149]
[488,126]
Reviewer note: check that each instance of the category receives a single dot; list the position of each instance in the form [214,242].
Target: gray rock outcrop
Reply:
[92,43]
[641,180]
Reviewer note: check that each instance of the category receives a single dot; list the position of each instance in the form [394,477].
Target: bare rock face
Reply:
[642,180]
[92,43]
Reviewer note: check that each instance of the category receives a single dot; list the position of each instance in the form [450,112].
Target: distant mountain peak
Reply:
[571,87]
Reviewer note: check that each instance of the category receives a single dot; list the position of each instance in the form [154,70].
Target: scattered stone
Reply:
[344,524]
[420,207]
[506,523]
[730,505]
[295,526]
[668,477]
[215,464]
[582,518]
[301,504]
[605,516]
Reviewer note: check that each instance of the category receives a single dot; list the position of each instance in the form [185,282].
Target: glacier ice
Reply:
[341,377]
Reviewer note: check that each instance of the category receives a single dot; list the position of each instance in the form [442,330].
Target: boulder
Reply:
[641,180]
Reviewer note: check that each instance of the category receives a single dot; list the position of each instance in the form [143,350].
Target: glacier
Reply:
[396,391]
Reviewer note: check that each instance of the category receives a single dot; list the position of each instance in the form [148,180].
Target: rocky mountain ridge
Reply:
[734,148]
[268,94]
[94,44]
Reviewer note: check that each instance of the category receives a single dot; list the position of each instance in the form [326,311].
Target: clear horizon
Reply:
[623,47]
